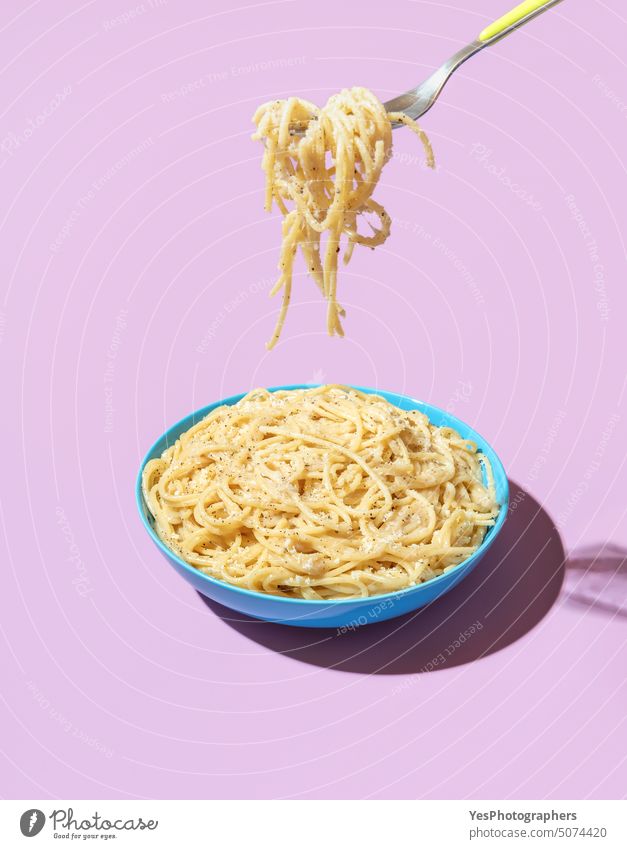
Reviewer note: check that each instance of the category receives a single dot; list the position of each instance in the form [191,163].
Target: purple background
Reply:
[136,260]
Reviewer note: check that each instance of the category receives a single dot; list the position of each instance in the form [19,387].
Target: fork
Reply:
[417,101]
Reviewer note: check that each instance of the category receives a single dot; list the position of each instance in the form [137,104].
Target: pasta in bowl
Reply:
[321,506]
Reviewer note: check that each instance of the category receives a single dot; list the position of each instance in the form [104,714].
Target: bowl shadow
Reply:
[512,588]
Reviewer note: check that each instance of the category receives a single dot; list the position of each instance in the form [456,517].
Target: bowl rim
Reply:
[458,424]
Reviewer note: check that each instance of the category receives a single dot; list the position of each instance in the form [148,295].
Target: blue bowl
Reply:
[343,613]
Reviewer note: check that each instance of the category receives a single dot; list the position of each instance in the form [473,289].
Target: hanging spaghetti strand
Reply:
[323,181]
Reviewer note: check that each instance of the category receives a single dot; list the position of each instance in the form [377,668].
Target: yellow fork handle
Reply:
[514,18]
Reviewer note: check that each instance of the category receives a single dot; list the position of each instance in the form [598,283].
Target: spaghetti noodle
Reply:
[328,174]
[321,493]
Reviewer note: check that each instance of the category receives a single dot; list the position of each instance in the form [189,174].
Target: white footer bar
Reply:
[313,824]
